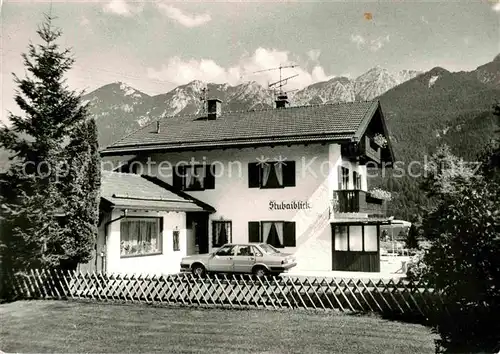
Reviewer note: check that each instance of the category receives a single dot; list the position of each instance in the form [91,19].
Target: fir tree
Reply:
[54,127]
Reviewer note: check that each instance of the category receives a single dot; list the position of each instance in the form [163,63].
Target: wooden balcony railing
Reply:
[358,201]
[371,151]
[367,150]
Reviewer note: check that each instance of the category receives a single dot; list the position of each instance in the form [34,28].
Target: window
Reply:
[356,238]
[341,238]
[176,240]
[140,236]
[226,251]
[276,233]
[256,252]
[245,251]
[221,233]
[343,178]
[357,180]
[271,175]
[371,238]
[194,177]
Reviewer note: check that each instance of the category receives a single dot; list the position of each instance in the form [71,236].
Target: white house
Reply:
[292,177]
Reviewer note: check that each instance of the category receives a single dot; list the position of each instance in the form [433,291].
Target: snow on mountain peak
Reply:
[432,80]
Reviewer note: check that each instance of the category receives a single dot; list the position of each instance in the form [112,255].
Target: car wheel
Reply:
[198,270]
[260,272]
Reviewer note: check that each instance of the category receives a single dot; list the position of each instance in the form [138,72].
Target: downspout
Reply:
[125,212]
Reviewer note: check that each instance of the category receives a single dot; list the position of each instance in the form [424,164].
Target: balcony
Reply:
[371,150]
[358,201]
[366,150]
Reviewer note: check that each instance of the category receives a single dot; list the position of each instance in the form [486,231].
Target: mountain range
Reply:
[120,108]
[422,110]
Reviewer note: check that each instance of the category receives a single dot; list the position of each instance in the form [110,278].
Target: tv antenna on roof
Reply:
[280,83]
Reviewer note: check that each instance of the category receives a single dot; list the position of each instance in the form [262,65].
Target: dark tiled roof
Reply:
[290,125]
[128,190]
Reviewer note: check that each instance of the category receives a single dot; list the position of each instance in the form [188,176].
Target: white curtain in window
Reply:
[278,168]
[188,172]
[222,233]
[200,175]
[266,171]
[227,225]
[266,227]
[139,237]
[279,231]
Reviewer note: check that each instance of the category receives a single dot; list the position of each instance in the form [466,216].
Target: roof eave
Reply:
[136,149]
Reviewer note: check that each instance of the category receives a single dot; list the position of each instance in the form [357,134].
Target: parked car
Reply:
[259,259]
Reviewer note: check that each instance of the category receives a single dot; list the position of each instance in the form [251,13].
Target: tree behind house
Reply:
[37,187]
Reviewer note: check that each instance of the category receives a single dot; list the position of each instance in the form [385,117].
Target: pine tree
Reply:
[80,190]
[54,126]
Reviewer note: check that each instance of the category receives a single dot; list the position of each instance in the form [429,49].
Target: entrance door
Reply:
[355,248]
[198,223]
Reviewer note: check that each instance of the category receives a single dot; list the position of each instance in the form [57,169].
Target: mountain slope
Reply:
[434,108]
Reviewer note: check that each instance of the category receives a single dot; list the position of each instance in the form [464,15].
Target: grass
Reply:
[64,326]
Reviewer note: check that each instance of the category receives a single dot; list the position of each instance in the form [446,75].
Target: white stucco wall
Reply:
[166,263]
[316,178]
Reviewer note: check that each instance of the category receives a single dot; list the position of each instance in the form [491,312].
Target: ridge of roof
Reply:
[197,115]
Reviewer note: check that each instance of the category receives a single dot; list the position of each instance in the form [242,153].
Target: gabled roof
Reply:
[306,124]
[128,190]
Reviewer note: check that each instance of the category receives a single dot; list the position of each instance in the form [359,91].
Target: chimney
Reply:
[214,108]
[282,100]
[157,127]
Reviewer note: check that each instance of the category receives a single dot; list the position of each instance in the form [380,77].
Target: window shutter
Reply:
[161,225]
[210,177]
[289,234]
[177,172]
[214,236]
[289,174]
[253,231]
[340,177]
[253,175]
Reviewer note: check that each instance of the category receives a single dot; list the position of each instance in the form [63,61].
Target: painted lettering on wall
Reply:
[291,205]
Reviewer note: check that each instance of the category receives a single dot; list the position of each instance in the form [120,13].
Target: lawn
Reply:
[64,326]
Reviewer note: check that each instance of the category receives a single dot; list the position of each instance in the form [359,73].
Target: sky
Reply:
[155,46]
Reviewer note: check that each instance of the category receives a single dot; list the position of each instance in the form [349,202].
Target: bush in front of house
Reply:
[463,261]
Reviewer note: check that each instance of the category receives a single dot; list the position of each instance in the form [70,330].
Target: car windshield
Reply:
[268,248]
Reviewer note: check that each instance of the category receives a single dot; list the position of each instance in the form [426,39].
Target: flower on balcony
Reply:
[335,204]
[380,140]
[380,194]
